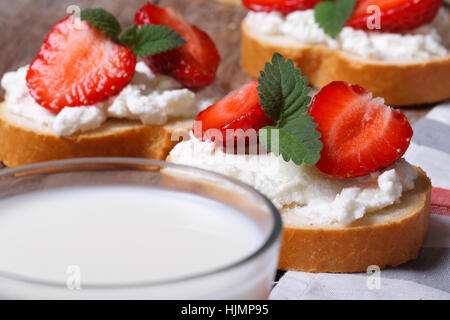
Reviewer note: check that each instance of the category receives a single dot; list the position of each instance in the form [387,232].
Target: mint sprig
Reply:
[283,93]
[151,39]
[129,35]
[331,16]
[103,21]
[144,41]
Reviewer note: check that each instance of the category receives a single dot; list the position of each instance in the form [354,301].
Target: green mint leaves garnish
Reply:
[104,21]
[151,39]
[129,36]
[331,16]
[283,93]
[145,41]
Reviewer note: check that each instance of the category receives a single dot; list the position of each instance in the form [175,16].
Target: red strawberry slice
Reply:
[240,109]
[193,64]
[396,15]
[77,65]
[360,134]
[283,6]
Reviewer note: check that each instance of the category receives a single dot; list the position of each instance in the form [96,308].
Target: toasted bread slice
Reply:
[387,237]
[24,142]
[400,84]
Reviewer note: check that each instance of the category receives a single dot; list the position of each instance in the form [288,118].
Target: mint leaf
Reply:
[297,141]
[283,90]
[332,16]
[103,21]
[129,36]
[153,39]
[283,96]
[144,41]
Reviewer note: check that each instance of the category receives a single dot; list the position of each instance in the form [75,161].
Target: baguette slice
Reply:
[24,142]
[387,237]
[399,84]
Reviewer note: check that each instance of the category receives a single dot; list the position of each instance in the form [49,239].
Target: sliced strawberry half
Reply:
[283,6]
[360,134]
[193,64]
[77,65]
[395,15]
[240,109]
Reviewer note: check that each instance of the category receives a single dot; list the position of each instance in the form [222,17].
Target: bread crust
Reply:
[22,144]
[403,84]
[354,248]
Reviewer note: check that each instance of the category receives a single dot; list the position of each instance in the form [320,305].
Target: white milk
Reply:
[119,235]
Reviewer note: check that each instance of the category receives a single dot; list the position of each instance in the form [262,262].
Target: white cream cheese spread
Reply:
[426,42]
[149,98]
[303,193]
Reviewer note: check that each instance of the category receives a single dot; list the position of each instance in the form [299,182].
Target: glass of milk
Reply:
[119,228]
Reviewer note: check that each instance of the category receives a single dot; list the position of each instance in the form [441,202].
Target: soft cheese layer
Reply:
[303,193]
[427,42]
[149,98]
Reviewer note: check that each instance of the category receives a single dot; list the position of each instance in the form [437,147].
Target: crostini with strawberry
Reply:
[332,165]
[95,89]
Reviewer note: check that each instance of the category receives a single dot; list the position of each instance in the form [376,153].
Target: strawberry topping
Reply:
[395,15]
[240,109]
[193,64]
[77,65]
[283,6]
[360,134]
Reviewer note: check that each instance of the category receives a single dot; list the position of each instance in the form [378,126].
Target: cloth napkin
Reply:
[427,277]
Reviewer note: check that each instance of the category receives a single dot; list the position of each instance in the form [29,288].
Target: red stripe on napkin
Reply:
[440,201]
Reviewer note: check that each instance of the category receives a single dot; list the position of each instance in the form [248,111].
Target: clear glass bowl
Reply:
[249,278]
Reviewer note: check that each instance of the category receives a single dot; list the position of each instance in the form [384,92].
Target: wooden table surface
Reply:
[25,23]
